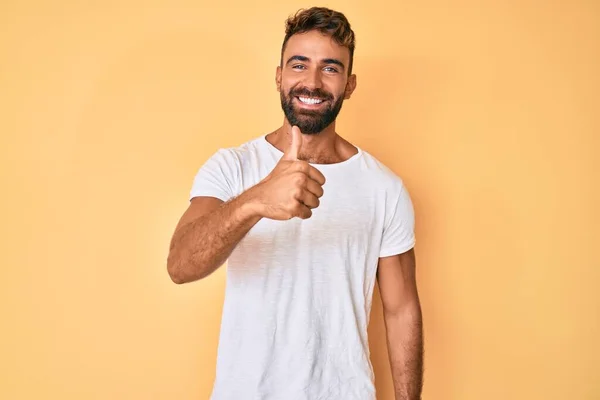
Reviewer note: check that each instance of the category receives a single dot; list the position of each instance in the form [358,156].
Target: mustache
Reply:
[304,92]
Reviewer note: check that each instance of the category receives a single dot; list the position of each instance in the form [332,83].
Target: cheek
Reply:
[290,84]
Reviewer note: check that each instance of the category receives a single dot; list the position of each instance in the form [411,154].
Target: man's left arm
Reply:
[396,276]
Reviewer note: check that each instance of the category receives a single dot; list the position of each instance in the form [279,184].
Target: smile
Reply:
[310,100]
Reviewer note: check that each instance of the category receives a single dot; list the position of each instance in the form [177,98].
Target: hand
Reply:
[293,187]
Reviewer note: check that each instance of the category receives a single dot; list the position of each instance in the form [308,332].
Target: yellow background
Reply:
[488,109]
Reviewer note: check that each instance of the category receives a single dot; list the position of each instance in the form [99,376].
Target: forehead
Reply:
[315,45]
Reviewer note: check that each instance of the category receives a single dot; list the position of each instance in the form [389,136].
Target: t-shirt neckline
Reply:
[279,154]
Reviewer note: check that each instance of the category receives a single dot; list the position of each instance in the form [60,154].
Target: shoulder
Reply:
[381,174]
[240,154]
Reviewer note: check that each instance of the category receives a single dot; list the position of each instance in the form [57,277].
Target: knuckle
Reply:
[301,179]
[298,209]
[293,206]
[303,166]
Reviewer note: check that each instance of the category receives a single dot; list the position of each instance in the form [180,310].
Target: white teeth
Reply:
[308,100]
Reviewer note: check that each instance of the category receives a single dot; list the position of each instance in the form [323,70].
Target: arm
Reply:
[210,229]
[206,235]
[403,322]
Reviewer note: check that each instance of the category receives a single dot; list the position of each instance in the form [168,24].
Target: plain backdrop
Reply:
[488,110]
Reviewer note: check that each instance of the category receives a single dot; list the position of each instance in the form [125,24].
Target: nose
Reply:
[313,79]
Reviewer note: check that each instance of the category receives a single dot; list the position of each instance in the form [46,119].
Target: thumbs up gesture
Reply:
[291,154]
[293,187]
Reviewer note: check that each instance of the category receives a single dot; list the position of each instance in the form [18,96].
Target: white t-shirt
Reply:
[298,292]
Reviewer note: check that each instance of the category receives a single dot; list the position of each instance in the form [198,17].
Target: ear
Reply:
[278,78]
[350,86]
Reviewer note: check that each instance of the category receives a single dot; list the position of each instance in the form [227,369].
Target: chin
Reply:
[311,129]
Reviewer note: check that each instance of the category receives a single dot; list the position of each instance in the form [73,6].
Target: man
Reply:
[307,222]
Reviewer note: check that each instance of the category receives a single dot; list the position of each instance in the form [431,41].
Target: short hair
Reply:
[324,20]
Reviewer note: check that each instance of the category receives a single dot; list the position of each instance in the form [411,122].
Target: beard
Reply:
[311,122]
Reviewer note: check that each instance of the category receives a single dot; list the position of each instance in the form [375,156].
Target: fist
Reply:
[293,187]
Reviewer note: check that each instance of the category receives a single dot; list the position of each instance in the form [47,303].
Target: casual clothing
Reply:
[299,292]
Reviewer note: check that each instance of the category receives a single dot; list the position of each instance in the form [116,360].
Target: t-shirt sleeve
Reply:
[217,177]
[398,233]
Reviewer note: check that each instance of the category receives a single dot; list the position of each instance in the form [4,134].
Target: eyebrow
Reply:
[334,61]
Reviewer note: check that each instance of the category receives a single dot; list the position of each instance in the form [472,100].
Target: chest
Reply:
[350,217]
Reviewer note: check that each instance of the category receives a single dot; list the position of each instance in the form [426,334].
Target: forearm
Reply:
[201,246]
[405,347]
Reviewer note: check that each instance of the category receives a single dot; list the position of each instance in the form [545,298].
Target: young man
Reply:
[307,222]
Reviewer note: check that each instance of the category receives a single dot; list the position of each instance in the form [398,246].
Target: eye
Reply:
[298,66]
[330,69]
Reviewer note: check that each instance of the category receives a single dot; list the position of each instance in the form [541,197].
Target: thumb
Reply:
[292,151]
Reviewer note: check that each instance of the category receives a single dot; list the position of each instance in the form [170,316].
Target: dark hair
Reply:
[324,20]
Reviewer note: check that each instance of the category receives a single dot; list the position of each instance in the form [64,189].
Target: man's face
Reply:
[313,81]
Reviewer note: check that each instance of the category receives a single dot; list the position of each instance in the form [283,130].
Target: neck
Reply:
[320,148]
